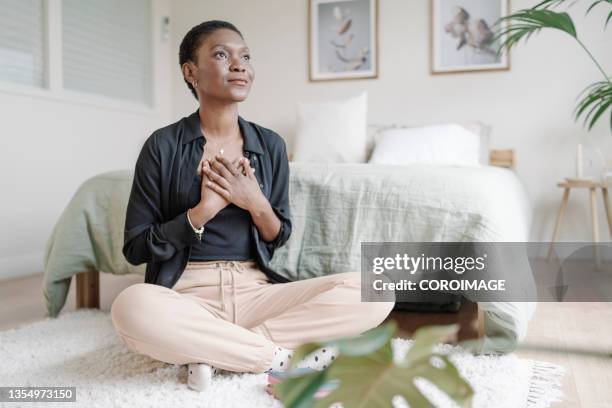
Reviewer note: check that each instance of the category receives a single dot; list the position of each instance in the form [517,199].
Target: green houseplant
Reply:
[596,99]
[367,375]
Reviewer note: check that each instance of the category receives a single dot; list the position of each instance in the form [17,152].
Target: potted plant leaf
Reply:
[365,374]
[596,99]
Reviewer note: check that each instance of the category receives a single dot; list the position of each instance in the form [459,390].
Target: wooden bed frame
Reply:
[469,317]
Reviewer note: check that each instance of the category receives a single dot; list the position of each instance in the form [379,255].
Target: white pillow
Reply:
[484,132]
[332,131]
[375,129]
[448,144]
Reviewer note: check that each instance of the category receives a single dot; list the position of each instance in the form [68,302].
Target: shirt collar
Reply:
[251,140]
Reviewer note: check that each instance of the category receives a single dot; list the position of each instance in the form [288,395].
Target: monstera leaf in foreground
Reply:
[368,377]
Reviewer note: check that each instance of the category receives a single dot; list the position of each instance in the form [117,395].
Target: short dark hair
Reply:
[194,38]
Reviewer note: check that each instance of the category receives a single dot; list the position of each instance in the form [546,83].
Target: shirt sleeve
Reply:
[147,237]
[279,196]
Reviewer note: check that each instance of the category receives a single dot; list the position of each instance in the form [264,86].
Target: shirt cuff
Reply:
[179,233]
[278,241]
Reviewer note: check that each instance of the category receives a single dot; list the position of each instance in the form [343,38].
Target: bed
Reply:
[334,208]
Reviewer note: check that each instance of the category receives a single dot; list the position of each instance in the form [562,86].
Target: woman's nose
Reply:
[237,67]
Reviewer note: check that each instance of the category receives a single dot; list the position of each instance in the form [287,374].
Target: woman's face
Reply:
[223,70]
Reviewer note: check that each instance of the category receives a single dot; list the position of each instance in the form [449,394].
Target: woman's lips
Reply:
[238,82]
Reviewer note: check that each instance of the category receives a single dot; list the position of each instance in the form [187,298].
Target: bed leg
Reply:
[88,290]
[471,322]
[470,319]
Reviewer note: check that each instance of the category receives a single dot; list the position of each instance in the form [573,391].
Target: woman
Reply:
[210,198]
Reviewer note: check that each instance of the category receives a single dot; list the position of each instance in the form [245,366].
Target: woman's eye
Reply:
[247,57]
[219,53]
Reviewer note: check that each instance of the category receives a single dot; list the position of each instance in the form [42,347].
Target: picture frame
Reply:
[460,33]
[342,39]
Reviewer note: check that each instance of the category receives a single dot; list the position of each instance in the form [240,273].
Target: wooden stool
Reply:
[592,186]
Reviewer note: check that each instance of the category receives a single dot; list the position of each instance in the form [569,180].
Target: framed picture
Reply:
[342,39]
[461,35]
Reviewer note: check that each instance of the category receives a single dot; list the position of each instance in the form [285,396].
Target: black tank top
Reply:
[227,236]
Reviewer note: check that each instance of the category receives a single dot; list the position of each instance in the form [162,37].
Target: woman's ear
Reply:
[189,71]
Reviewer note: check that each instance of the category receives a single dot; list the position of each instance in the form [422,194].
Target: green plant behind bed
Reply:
[368,376]
[596,99]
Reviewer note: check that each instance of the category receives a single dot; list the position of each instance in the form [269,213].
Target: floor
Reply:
[580,334]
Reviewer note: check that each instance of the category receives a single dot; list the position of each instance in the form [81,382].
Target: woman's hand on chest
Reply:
[236,182]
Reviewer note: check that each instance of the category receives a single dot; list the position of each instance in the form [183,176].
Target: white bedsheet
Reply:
[437,204]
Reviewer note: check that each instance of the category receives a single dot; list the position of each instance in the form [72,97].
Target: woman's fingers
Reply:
[238,164]
[219,168]
[227,164]
[247,168]
[217,188]
[201,168]
[206,170]
[213,176]
[225,169]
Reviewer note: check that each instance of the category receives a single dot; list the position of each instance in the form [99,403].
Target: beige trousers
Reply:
[228,314]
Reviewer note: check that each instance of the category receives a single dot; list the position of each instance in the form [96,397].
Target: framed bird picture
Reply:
[462,34]
[342,39]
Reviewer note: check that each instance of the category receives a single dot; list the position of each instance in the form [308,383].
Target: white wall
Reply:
[530,106]
[51,144]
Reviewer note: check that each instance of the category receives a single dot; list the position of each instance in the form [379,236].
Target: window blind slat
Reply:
[22,42]
[107,48]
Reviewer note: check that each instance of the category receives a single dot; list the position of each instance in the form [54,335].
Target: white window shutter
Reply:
[106,48]
[22,50]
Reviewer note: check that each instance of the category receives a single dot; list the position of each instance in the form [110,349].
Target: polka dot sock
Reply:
[282,356]
[319,359]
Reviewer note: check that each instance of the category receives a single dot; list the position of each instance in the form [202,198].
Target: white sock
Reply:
[200,375]
[317,360]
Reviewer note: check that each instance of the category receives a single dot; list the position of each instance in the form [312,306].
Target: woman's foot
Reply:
[282,356]
[200,376]
[319,359]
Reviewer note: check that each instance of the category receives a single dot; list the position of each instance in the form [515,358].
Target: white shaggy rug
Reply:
[81,349]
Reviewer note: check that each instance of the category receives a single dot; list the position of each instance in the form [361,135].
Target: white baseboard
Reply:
[21,265]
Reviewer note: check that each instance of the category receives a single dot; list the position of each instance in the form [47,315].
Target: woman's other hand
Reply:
[235,182]
[209,196]
[210,203]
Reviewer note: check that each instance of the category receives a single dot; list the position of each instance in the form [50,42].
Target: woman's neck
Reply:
[219,121]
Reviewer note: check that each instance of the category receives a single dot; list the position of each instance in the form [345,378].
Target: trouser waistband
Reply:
[218,263]
[225,266]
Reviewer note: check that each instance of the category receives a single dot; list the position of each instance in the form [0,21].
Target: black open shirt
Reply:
[157,230]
